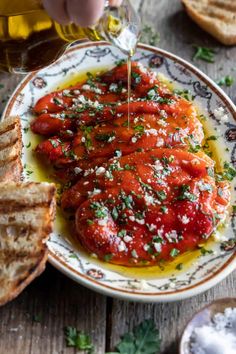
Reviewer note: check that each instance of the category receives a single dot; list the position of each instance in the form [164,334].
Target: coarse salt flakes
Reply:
[77,170]
[160,142]
[157,246]
[100,171]
[216,337]
[94,192]
[151,132]
[127,238]
[184,219]
[220,114]
[121,246]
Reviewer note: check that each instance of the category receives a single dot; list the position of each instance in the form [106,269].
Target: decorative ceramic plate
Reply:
[151,284]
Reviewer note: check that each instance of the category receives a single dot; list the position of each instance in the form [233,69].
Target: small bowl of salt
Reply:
[212,330]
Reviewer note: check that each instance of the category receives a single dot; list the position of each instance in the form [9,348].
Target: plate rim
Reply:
[126,294]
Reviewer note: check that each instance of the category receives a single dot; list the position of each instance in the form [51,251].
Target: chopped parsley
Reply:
[164,209]
[108,257]
[136,77]
[149,35]
[179,266]
[105,137]
[114,213]
[143,339]
[184,93]
[204,53]
[194,148]
[204,251]
[100,211]
[174,252]
[161,195]
[78,340]
[120,62]
[228,173]
[226,81]
[86,134]
[212,137]
[139,128]
[185,193]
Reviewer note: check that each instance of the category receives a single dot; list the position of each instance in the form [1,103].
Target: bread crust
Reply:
[216,17]
[27,211]
[10,149]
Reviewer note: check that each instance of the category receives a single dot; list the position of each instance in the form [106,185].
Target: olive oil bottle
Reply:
[30,39]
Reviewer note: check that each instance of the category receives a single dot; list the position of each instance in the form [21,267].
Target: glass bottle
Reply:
[30,39]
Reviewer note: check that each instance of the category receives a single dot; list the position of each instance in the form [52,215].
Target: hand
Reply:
[81,12]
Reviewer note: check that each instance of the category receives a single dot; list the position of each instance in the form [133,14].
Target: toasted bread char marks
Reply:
[27,211]
[217,17]
[10,149]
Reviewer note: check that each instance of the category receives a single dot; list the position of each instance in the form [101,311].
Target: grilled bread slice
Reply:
[10,149]
[27,211]
[217,17]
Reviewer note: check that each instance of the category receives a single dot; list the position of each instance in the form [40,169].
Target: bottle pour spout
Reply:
[121,26]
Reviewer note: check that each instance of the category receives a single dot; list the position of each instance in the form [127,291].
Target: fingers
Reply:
[81,12]
[85,12]
[115,3]
[56,10]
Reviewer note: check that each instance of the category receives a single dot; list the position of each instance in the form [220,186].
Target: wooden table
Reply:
[56,300]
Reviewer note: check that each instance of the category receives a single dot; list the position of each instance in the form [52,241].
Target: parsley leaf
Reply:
[185,193]
[228,173]
[78,340]
[144,339]
[226,81]
[204,53]
[149,35]
[105,137]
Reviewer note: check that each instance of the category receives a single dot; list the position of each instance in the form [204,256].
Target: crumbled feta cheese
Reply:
[184,219]
[220,114]
[88,172]
[172,236]
[94,192]
[151,132]
[86,87]
[77,170]
[151,227]
[100,171]
[113,87]
[127,238]
[157,246]
[149,199]
[134,139]
[141,222]
[146,247]
[160,142]
[121,246]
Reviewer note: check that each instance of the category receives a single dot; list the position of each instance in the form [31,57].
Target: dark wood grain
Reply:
[178,34]
[57,302]
[60,302]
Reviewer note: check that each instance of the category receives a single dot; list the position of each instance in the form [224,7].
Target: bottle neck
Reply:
[121,27]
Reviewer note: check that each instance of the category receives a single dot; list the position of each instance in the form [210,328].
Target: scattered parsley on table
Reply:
[204,53]
[228,81]
[149,35]
[78,340]
[144,339]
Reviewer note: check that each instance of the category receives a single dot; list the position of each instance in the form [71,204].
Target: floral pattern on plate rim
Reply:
[209,269]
